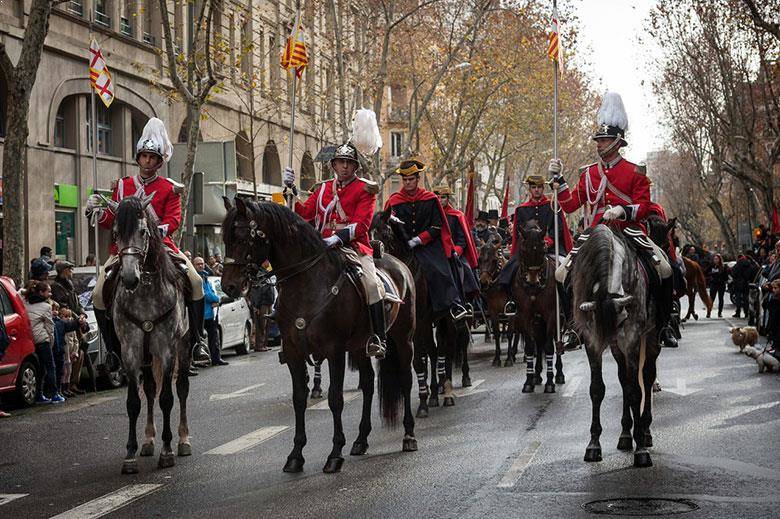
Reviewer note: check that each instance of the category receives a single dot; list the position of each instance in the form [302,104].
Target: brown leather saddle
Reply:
[112,280]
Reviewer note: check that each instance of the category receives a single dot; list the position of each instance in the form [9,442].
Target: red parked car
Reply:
[19,368]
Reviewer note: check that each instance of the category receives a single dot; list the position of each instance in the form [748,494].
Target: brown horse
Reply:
[321,315]
[494,297]
[534,290]
[696,283]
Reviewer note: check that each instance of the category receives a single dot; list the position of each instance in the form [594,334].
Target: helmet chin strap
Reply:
[610,148]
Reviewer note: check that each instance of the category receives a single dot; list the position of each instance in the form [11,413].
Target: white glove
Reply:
[414,242]
[396,220]
[555,167]
[288,177]
[332,241]
[614,213]
[94,201]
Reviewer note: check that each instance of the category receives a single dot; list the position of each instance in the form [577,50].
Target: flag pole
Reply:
[556,209]
[289,191]
[93,115]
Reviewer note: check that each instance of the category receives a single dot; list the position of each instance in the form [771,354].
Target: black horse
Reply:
[451,339]
[321,316]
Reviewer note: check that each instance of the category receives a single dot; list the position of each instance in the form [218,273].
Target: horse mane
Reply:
[128,215]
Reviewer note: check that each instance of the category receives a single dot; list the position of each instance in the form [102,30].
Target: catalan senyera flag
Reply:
[99,75]
[294,55]
[554,40]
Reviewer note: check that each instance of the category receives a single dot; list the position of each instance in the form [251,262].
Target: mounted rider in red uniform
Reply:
[152,151]
[342,209]
[617,191]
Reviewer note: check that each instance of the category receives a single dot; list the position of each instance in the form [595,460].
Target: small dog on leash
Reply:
[765,360]
[745,336]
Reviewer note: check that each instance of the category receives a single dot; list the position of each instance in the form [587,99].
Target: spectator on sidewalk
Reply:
[42,324]
[39,270]
[717,275]
[209,317]
[65,328]
[89,261]
[772,307]
[743,274]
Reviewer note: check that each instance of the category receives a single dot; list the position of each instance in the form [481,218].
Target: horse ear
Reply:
[228,204]
[147,199]
[241,206]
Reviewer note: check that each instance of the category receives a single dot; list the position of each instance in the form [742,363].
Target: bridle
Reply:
[526,269]
[138,252]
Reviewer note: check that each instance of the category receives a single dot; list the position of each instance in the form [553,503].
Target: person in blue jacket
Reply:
[209,316]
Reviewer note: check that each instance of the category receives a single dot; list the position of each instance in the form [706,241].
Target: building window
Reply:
[147,23]
[102,9]
[76,7]
[59,129]
[396,144]
[104,131]
[274,70]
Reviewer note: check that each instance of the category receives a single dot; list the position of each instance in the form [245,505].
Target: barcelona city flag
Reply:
[99,75]
[294,55]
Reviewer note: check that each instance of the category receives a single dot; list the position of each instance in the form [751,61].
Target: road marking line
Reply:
[234,394]
[248,441]
[323,406]
[571,386]
[516,470]
[7,498]
[109,502]
[466,391]
[89,402]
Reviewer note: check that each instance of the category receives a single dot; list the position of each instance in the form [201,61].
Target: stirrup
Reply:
[510,308]
[375,347]
[458,312]
[571,340]
[469,310]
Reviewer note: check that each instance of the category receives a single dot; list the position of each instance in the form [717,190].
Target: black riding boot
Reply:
[195,313]
[664,308]
[569,337]
[110,340]
[377,344]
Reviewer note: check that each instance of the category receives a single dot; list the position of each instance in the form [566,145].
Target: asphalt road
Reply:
[497,453]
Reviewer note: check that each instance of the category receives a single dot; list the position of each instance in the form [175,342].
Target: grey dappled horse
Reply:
[612,308]
[149,314]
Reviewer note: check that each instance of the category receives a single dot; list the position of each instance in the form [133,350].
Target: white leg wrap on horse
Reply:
[441,366]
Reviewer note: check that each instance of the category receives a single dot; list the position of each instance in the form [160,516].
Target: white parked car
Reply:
[233,319]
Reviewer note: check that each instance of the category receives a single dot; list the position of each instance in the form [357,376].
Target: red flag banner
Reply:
[469,212]
[505,203]
[775,221]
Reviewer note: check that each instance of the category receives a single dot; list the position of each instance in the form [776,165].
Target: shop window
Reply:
[65,234]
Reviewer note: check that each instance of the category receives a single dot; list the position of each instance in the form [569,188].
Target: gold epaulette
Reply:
[641,169]
[178,187]
[369,185]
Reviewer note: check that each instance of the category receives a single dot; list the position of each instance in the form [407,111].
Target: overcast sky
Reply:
[617,61]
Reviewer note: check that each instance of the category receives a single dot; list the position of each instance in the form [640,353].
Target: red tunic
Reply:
[625,185]
[166,205]
[348,217]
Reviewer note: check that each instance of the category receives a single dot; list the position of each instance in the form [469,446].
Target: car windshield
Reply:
[83,282]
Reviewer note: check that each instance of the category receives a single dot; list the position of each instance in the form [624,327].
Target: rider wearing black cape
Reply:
[419,215]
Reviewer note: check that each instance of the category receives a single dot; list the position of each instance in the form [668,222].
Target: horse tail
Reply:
[701,287]
[390,395]
[461,345]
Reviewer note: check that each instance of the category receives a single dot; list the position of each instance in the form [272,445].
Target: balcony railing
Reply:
[102,18]
[148,38]
[125,27]
[76,7]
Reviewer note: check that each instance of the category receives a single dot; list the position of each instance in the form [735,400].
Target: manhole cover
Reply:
[640,506]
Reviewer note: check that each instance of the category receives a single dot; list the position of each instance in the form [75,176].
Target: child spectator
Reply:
[42,324]
[67,346]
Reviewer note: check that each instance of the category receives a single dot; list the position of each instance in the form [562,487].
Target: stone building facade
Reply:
[243,140]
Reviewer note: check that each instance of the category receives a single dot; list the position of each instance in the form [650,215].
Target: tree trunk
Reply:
[20,80]
[193,129]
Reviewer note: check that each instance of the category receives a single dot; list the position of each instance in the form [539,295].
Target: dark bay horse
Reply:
[149,315]
[494,297]
[321,315]
[534,290]
[612,308]
[451,340]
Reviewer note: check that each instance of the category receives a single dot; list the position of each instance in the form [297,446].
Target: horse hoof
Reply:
[410,445]
[185,449]
[642,460]
[358,449]
[538,380]
[508,363]
[528,388]
[593,454]
[147,449]
[560,378]
[496,362]
[422,412]
[449,401]
[695,318]
[625,443]
[293,465]
[167,460]
[316,393]
[130,467]
[549,388]
[648,440]
[433,402]
[465,381]
[333,465]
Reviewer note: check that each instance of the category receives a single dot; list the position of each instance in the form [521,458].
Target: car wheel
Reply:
[27,384]
[245,346]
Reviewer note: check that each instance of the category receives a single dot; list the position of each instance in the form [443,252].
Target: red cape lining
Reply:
[421,195]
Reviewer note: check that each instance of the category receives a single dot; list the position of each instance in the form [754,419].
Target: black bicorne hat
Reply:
[483,215]
[493,214]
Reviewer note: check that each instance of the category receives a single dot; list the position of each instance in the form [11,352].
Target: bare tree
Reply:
[20,79]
